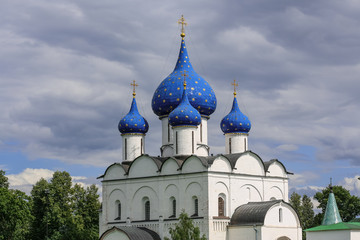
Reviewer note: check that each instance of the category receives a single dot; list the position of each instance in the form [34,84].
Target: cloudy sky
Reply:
[66,68]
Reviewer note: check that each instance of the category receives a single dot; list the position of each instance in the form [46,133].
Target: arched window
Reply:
[196,207]
[174,207]
[280,215]
[118,210]
[147,210]
[221,207]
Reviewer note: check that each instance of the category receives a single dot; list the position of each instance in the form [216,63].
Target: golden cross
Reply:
[184,75]
[134,86]
[235,85]
[183,23]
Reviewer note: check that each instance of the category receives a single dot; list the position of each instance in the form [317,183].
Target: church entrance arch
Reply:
[283,238]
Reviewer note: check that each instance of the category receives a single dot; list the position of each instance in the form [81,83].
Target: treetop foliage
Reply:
[185,229]
[55,210]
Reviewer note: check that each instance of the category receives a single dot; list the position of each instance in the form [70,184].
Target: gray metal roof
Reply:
[252,213]
[135,233]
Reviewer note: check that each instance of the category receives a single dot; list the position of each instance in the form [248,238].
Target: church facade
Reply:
[234,195]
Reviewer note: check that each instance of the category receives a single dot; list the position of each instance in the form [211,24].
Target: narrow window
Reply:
[230,145]
[118,210]
[174,208]
[196,207]
[168,132]
[125,150]
[280,215]
[201,132]
[245,144]
[221,207]
[176,142]
[141,147]
[192,141]
[147,210]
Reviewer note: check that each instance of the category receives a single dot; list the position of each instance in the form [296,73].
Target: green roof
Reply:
[332,214]
[336,226]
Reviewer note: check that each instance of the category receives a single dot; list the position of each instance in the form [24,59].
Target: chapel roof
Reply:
[253,213]
[134,233]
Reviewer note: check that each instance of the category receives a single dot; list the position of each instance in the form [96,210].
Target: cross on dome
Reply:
[183,23]
[184,75]
[134,84]
[235,85]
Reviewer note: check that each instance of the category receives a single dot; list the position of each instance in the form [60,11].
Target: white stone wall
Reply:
[145,181]
[133,147]
[236,143]
[333,235]
[184,138]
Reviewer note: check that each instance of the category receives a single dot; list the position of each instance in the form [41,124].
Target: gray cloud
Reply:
[66,69]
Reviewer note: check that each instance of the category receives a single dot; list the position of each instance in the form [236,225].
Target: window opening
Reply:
[244,144]
[168,132]
[174,208]
[147,210]
[176,141]
[141,147]
[201,132]
[230,145]
[196,208]
[280,215]
[221,207]
[125,149]
[192,141]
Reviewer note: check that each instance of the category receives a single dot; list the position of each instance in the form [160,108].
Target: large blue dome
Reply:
[235,121]
[133,122]
[169,93]
[184,114]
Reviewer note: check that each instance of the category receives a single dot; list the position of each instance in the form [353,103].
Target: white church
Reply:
[230,196]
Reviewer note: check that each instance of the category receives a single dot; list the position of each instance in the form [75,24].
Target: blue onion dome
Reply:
[235,121]
[168,94]
[184,114]
[133,122]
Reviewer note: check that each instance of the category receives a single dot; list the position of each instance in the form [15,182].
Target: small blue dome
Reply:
[133,122]
[184,114]
[168,94]
[235,121]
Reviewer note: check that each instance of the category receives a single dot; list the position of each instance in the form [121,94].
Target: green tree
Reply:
[304,208]
[348,205]
[185,230]
[63,211]
[3,180]
[15,212]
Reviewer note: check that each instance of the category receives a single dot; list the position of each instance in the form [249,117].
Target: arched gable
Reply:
[169,167]
[115,171]
[250,163]
[276,169]
[144,166]
[283,215]
[221,164]
[193,164]
[137,208]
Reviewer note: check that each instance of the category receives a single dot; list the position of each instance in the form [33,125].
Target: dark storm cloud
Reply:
[66,68]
